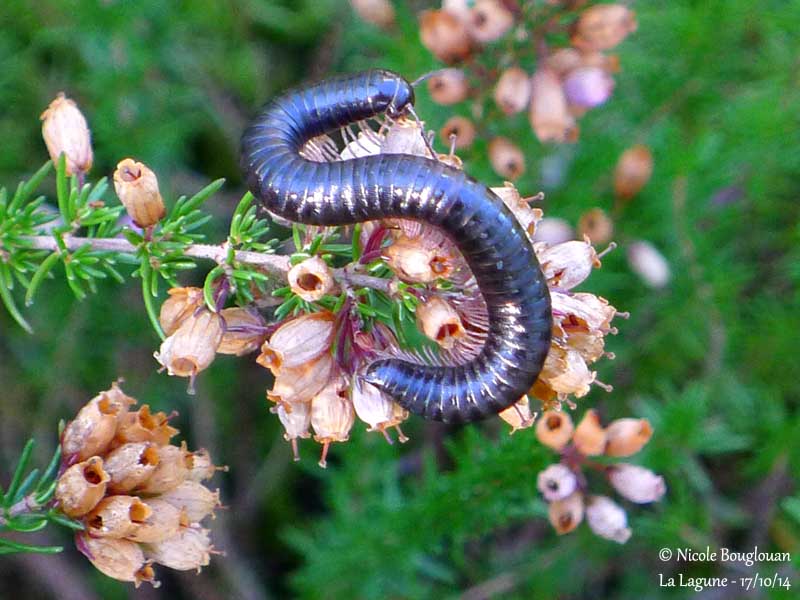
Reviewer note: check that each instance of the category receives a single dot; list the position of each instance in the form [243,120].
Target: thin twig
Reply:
[27,505]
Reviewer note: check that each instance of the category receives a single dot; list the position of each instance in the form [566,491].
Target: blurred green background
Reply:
[712,87]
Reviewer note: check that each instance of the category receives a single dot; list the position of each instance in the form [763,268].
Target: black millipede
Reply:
[494,245]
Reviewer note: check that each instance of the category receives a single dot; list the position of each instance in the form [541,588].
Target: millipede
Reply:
[494,246]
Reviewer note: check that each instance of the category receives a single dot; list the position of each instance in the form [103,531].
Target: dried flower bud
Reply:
[332,416]
[164,522]
[590,437]
[298,342]
[518,415]
[636,483]
[301,384]
[65,131]
[582,312]
[564,60]
[627,436]
[648,263]
[587,87]
[565,515]
[296,421]
[603,26]
[460,127]
[607,519]
[171,471]
[142,426]
[439,321]
[193,346]
[311,279]
[117,517]
[552,230]
[513,91]
[574,377]
[182,303]
[596,225]
[568,264]
[376,409]
[507,159]
[201,467]
[122,560]
[417,262]
[130,465]
[244,331]
[556,482]
[92,429]
[549,116]
[526,216]
[634,169]
[377,12]
[444,35]
[554,429]
[188,549]
[137,188]
[406,136]
[489,20]
[81,487]
[194,499]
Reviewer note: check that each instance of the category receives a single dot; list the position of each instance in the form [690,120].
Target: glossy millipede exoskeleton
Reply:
[493,244]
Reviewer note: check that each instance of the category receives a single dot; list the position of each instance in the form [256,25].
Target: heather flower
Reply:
[513,90]
[556,482]
[377,409]
[626,437]
[519,415]
[459,129]
[140,502]
[489,20]
[298,342]
[311,279]
[549,115]
[182,303]
[634,169]
[506,158]
[603,26]
[554,429]
[377,12]
[193,346]
[332,416]
[244,331]
[137,188]
[439,321]
[445,36]
[636,483]
[566,514]
[607,519]
[596,225]
[448,86]
[648,263]
[588,87]
[65,131]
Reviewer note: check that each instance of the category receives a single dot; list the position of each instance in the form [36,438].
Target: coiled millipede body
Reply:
[493,244]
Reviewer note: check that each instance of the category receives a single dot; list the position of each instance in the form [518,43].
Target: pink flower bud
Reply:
[296,421]
[549,116]
[489,20]
[448,86]
[627,436]
[596,225]
[513,91]
[648,263]
[556,482]
[507,159]
[445,36]
[634,169]
[603,26]
[332,416]
[607,519]
[636,483]
[587,87]
[590,437]
[461,128]
[375,408]
[554,429]
[565,515]
[65,131]
[377,12]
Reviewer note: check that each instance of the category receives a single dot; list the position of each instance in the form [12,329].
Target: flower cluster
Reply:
[140,499]
[564,485]
[566,82]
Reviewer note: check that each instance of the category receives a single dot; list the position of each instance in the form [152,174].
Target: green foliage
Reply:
[25,507]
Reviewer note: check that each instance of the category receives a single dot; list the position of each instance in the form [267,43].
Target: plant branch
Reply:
[272,263]
[27,505]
